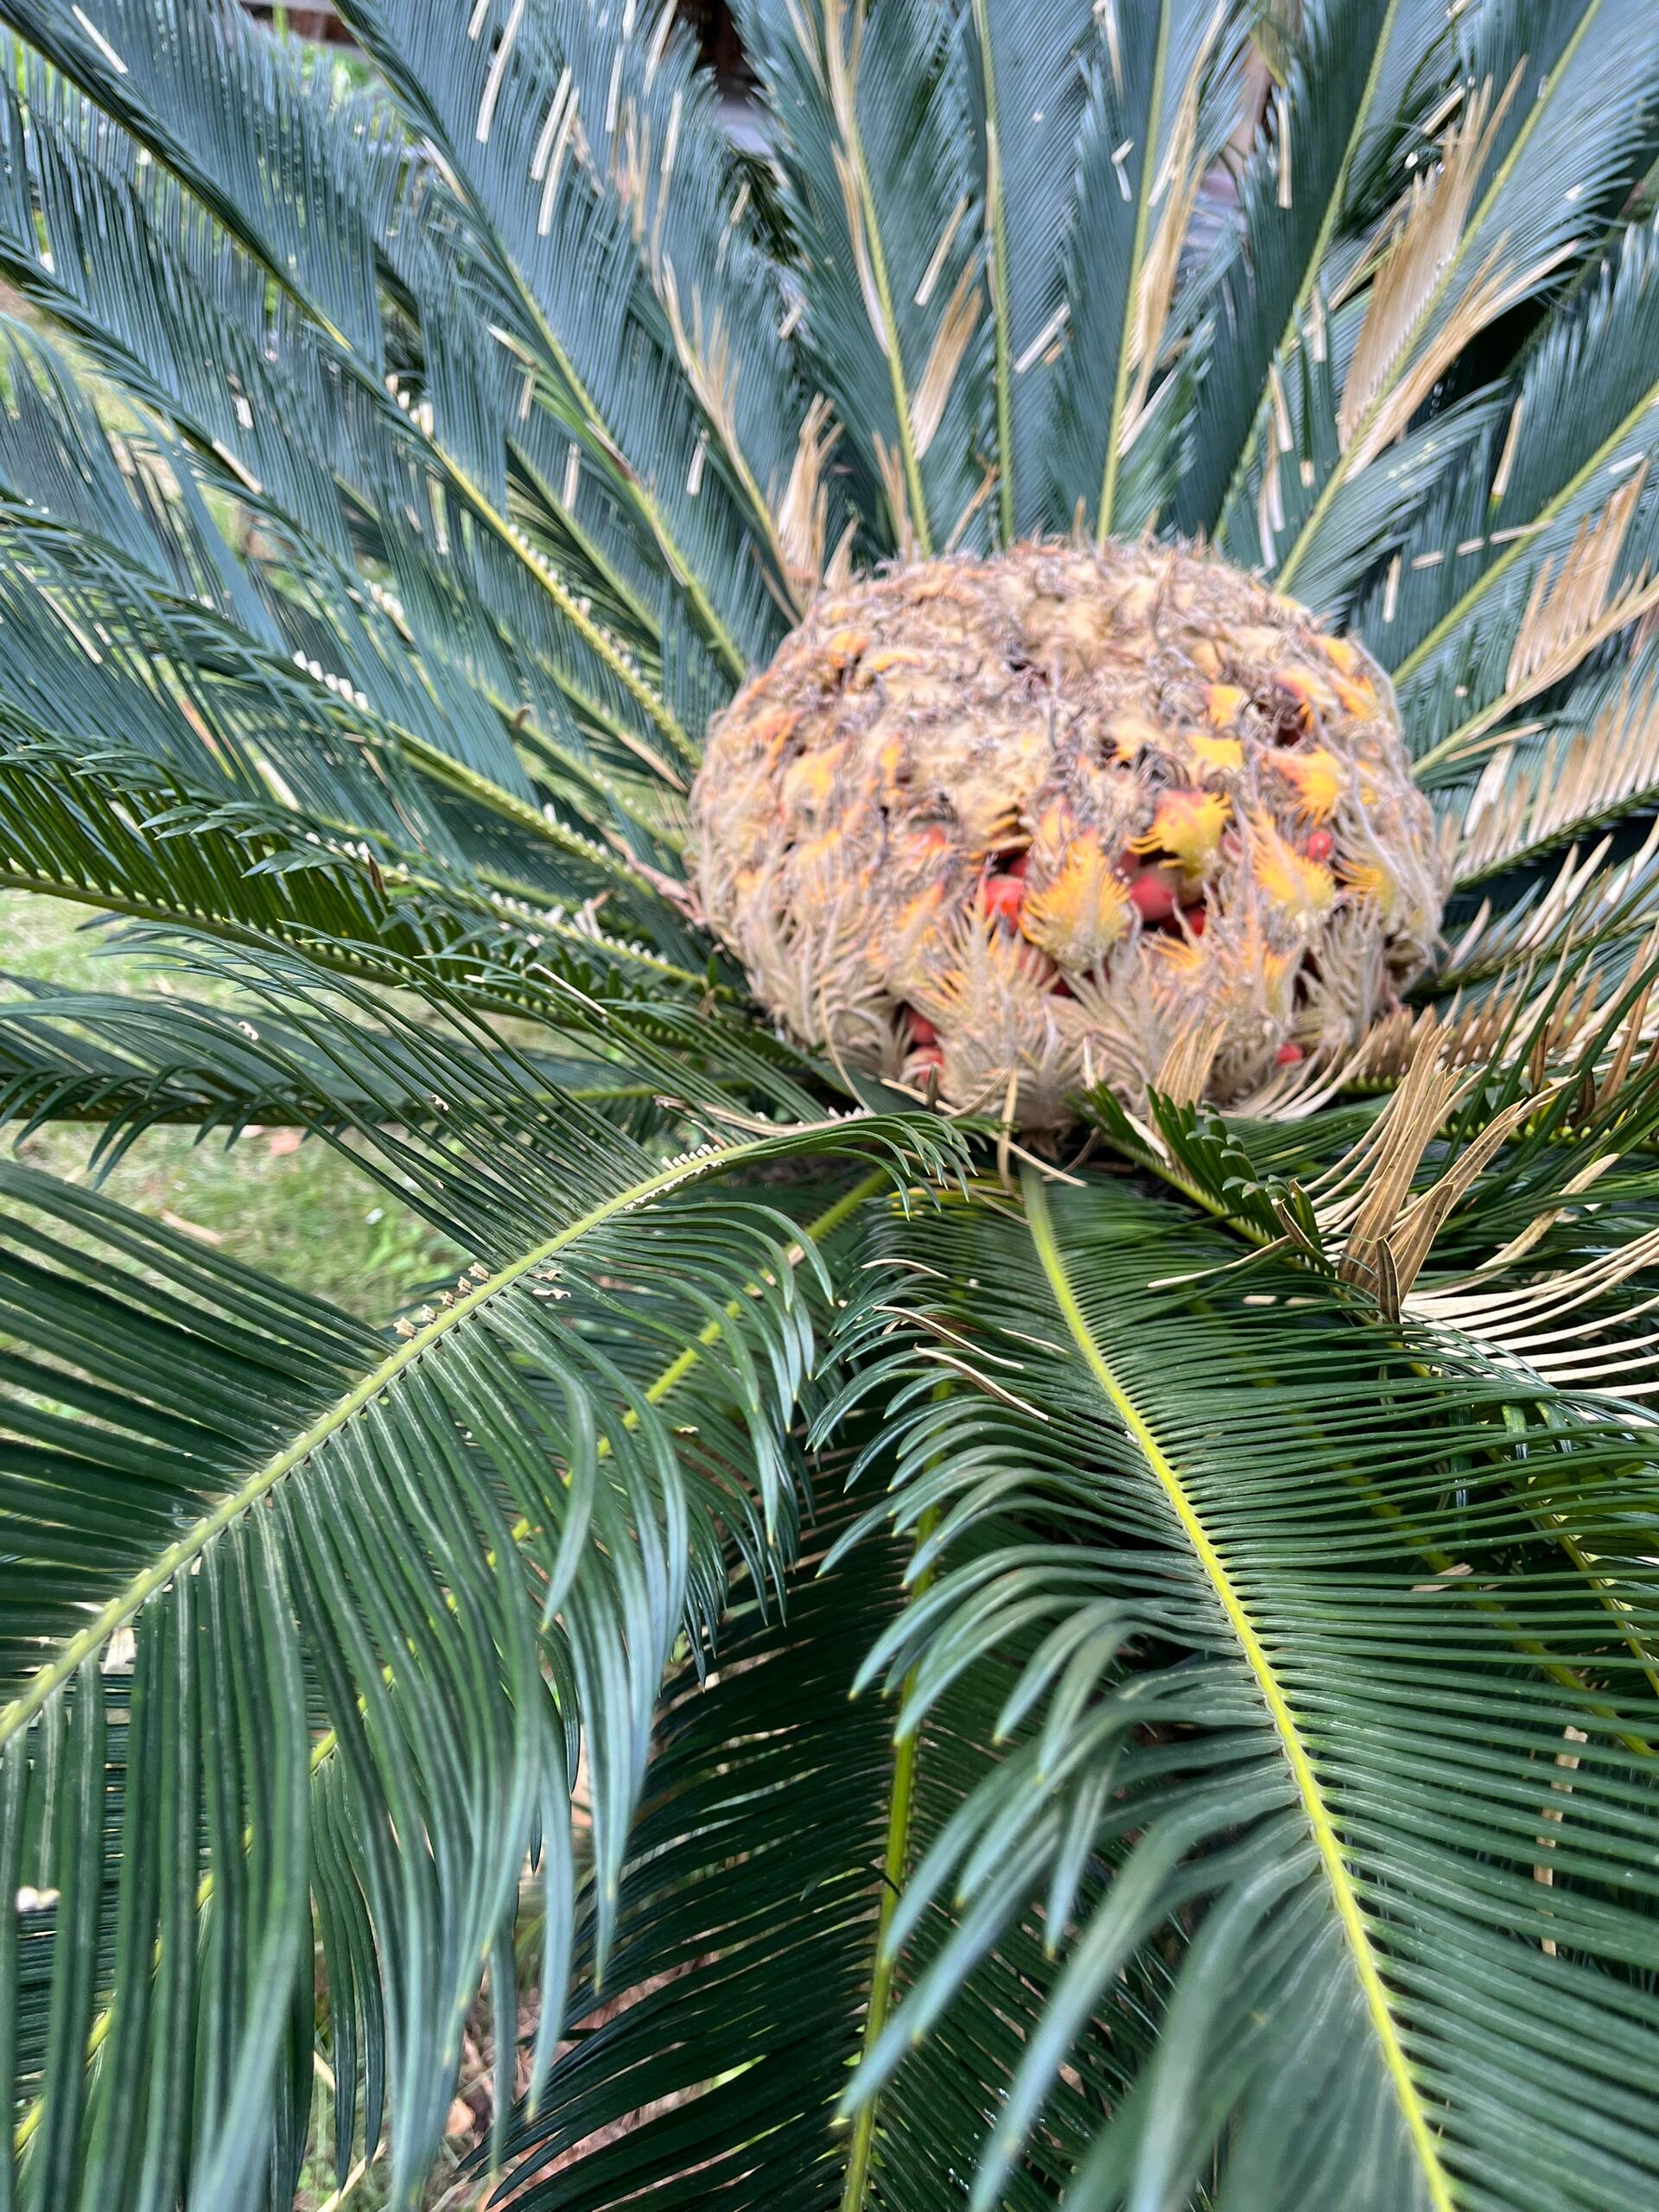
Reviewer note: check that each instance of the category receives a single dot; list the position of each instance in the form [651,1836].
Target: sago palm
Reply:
[974,803]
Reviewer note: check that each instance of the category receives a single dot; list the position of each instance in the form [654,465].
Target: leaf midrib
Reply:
[852,139]
[901,1805]
[1344,1894]
[998,228]
[1137,270]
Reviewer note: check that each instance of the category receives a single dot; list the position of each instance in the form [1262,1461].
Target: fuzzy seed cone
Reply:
[1022,823]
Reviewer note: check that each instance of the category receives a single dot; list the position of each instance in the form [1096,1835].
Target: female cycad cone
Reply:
[1013,827]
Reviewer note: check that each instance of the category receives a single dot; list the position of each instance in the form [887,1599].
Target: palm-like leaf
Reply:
[1274,1612]
[397,470]
[270,1474]
[780,1822]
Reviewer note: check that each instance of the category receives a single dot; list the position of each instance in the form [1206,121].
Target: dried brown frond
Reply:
[1184,1072]
[1574,602]
[1533,1020]
[890,466]
[705,355]
[1522,802]
[1572,609]
[802,514]
[1391,1230]
[1412,1235]
[1574,909]
[1380,396]
[1492,292]
[1429,230]
[1174,194]
[1383,1165]
[976,499]
[950,340]
[1559,1327]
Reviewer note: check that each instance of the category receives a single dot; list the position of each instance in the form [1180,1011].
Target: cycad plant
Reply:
[1031,1520]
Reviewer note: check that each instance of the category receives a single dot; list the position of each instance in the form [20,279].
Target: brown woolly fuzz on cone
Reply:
[1040,817]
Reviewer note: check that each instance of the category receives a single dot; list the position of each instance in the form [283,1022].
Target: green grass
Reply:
[302,1214]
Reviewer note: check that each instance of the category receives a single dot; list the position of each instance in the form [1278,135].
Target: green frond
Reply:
[1206,1758]
[266,433]
[780,1813]
[186,81]
[564,257]
[1034,75]
[872,112]
[1501,214]
[125,1065]
[1567,483]
[654,139]
[1156,119]
[1314,1653]
[275,1495]
[1315,182]
[116,830]
[456,552]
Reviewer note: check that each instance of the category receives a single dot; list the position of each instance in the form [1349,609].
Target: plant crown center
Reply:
[1002,830]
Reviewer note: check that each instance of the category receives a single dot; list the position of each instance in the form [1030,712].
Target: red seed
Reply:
[922,1031]
[1288,1054]
[925,1057]
[1017,864]
[1196,919]
[1004,896]
[1320,845]
[1153,894]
